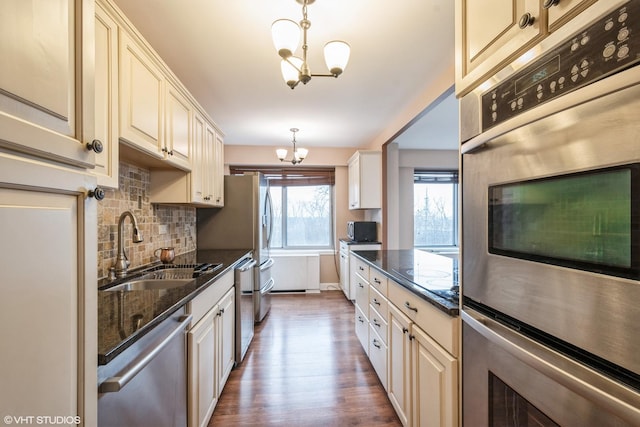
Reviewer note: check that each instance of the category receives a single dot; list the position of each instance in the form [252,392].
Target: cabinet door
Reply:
[562,11]
[210,163]
[435,382]
[46,78]
[48,292]
[354,183]
[203,386]
[177,141]
[399,381]
[226,333]
[489,35]
[217,196]
[141,98]
[378,355]
[362,329]
[344,270]
[198,171]
[106,98]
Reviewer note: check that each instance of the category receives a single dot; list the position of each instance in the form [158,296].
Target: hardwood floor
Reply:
[305,367]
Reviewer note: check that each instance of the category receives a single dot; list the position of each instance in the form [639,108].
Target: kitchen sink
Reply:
[142,284]
[162,277]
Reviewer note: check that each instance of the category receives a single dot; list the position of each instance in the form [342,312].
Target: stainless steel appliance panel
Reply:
[243,222]
[263,287]
[510,379]
[588,310]
[146,385]
[244,277]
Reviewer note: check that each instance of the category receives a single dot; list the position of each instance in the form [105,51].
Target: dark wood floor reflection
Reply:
[305,367]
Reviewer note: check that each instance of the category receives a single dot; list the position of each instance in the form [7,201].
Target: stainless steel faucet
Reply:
[121,264]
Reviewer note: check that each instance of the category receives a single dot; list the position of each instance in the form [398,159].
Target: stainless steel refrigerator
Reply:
[245,221]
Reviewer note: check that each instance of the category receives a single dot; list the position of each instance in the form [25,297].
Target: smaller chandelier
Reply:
[298,153]
[286,36]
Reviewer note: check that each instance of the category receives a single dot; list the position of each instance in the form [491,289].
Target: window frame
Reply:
[424,177]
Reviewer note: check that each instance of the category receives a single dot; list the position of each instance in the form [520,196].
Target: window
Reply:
[302,201]
[435,208]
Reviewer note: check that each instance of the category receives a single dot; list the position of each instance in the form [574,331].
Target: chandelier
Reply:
[298,153]
[286,36]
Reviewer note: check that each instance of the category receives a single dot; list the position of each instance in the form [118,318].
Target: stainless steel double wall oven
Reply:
[551,232]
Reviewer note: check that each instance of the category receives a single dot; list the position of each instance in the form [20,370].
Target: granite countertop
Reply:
[125,316]
[432,277]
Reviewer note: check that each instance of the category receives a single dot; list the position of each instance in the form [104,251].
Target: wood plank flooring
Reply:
[305,368]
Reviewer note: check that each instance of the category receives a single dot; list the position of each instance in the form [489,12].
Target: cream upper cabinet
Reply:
[560,11]
[217,171]
[203,186]
[106,98]
[177,142]
[46,78]
[365,180]
[492,32]
[141,99]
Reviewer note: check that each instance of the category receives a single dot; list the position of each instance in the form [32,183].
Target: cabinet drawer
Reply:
[362,268]
[378,355]
[362,329]
[200,305]
[378,280]
[443,328]
[379,324]
[362,293]
[380,303]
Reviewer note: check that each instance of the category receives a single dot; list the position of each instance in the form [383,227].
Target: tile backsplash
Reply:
[161,225]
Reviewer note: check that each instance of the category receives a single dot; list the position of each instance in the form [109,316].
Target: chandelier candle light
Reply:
[298,153]
[286,37]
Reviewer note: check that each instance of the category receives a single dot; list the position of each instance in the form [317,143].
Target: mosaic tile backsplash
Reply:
[161,226]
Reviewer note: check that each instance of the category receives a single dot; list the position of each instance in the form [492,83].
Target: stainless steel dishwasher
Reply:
[244,274]
[146,385]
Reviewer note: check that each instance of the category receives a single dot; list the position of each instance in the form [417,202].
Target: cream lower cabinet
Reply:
[210,347]
[48,292]
[423,376]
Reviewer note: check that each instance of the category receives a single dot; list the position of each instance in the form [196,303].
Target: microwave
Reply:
[362,231]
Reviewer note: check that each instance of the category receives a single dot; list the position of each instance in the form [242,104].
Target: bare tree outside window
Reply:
[435,210]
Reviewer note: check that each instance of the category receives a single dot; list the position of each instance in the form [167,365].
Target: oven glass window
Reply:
[508,408]
[586,220]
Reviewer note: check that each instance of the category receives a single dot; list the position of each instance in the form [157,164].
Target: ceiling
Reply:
[222,51]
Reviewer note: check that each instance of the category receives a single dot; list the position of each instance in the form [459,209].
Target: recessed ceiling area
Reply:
[436,129]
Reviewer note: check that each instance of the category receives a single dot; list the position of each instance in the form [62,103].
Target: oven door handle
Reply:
[593,386]
[116,383]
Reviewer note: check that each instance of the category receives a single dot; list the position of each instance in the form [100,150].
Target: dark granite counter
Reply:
[125,316]
[432,277]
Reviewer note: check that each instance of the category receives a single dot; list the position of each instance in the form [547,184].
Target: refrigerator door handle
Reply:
[266,265]
[269,217]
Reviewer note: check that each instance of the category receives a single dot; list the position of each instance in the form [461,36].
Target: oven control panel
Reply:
[609,45]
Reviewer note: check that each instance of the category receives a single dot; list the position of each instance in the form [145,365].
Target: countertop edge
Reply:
[433,299]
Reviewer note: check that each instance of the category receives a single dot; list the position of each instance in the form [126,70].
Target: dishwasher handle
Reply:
[115,384]
[248,264]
